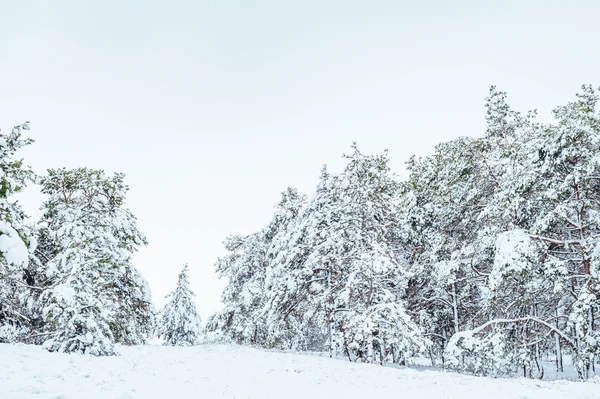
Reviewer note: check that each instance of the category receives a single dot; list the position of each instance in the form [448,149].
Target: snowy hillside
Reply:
[218,371]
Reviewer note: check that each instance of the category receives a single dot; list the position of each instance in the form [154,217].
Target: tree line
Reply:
[486,258]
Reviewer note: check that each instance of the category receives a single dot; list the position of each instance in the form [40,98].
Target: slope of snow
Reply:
[220,371]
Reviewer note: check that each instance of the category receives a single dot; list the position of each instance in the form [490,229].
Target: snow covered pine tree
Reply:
[325,275]
[96,297]
[16,240]
[487,257]
[179,321]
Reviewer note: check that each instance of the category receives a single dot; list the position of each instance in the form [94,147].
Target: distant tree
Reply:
[179,322]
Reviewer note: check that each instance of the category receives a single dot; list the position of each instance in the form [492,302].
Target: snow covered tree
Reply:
[298,298]
[439,225]
[133,317]
[564,191]
[95,296]
[370,315]
[16,239]
[179,322]
[243,298]
[264,303]
[283,305]
[457,203]
[489,250]
[325,274]
[540,290]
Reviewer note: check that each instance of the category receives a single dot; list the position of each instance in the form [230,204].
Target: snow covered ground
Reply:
[221,371]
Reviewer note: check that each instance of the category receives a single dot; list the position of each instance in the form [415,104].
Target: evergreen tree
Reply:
[563,195]
[17,241]
[243,298]
[325,275]
[179,322]
[489,251]
[95,295]
[283,305]
[306,270]
[370,315]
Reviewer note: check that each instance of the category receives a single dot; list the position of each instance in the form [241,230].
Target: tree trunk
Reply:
[444,343]
[455,308]
[330,315]
[559,359]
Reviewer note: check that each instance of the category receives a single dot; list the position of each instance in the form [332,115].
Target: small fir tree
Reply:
[180,322]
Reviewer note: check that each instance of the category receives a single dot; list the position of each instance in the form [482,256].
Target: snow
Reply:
[222,371]
[513,254]
[64,292]
[12,246]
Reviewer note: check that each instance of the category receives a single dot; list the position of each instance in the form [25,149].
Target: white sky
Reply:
[212,108]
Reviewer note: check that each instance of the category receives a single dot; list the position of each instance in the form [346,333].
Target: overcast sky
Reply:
[212,108]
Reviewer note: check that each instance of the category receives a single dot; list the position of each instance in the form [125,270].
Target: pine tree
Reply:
[283,305]
[540,279]
[95,297]
[370,315]
[489,250]
[179,322]
[243,298]
[563,191]
[304,265]
[16,240]
[325,274]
